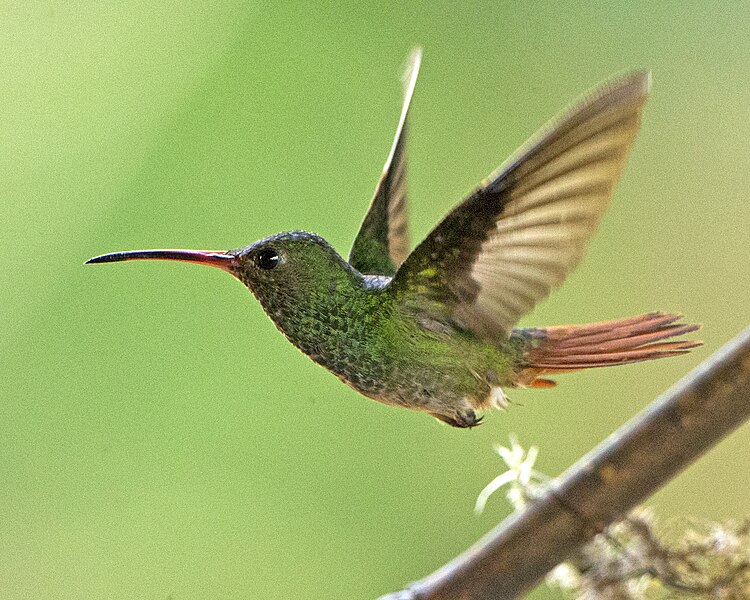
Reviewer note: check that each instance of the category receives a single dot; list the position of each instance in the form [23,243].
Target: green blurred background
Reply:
[158,437]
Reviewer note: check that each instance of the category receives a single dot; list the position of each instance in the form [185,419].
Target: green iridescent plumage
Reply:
[432,330]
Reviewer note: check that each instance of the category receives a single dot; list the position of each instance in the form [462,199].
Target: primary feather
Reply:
[518,235]
[382,242]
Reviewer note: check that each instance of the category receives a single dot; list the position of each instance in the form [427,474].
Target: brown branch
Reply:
[602,487]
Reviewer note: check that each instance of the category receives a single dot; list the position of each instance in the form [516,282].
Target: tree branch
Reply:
[603,486]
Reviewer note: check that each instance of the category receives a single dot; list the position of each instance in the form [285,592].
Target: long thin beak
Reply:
[222,260]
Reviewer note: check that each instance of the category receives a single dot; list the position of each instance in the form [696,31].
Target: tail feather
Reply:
[653,319]
[614,338]
[569,348]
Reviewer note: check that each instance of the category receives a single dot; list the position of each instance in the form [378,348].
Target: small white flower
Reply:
[491,488]
[520,475]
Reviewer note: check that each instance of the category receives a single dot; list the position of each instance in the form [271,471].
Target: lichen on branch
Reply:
[635,559]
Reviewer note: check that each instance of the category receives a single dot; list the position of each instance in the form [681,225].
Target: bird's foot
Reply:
[465,419]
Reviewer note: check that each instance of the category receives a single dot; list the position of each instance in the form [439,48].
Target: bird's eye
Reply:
[267,259]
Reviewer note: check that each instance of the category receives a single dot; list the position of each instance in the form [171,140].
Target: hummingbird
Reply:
[433,329]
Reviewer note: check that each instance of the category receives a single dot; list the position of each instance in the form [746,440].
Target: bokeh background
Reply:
[158,437]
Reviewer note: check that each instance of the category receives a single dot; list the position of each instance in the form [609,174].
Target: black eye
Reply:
[267,259]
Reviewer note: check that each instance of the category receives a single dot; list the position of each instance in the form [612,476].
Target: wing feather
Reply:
[382,242]
[517,236]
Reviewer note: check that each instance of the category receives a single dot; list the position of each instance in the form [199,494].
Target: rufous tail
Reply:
[569,348]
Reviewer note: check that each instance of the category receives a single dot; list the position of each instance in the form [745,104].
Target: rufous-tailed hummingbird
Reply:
[432,329]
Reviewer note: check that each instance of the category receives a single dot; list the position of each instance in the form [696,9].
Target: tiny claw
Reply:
[463,420]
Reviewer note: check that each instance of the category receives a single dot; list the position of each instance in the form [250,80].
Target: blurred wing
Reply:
[383,239]
[519,234]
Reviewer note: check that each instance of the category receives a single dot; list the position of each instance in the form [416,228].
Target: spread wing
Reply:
[383,239]
[518,235]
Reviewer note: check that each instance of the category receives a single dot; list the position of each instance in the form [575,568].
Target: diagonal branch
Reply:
[602,487]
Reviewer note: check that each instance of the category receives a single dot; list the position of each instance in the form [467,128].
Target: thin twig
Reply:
[602,487]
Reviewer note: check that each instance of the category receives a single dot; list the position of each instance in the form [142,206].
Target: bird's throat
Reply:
[331,323]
